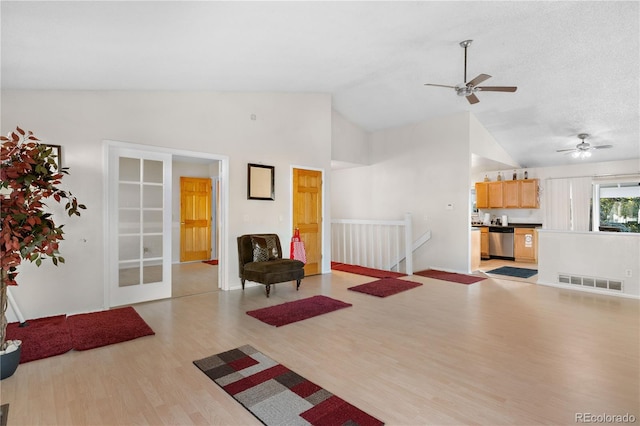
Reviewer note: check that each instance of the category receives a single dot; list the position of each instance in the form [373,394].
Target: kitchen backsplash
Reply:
[513,215]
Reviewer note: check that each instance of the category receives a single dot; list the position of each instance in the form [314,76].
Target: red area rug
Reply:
[104,328]
[287,313]
[362,270]
[449,276]
[277,395]
[46,337]
[385,287]
[211,262]
[42,337]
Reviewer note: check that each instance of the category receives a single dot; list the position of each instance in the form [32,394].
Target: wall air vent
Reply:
[593,282]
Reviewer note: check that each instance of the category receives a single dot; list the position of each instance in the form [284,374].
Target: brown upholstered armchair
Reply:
[260,260]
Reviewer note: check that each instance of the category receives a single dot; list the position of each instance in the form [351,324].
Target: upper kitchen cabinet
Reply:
[529,198]
[495,195]
[511,194]
[508,194]
[482,195]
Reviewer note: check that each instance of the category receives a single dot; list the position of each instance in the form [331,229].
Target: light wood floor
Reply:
[498,352]
[192,278]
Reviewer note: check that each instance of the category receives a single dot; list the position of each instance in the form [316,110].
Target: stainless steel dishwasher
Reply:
[501,242]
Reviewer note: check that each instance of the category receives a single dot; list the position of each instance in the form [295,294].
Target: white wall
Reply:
[483,144]
[349,143]
[418,169]
[609,255]
[289,129]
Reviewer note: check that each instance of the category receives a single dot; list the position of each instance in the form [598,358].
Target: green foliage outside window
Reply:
[621,212]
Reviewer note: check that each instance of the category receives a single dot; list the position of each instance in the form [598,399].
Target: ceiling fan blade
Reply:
[479,79]
[566,150]
[498,88]
[473,99]
[439,85]
[602,146]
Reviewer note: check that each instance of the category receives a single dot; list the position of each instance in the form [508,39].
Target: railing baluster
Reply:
[376,243]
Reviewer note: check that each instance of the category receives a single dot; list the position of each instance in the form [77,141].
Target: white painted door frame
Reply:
[223,247]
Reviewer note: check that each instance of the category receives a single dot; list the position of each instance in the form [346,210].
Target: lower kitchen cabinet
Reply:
[484,242]
[525,245]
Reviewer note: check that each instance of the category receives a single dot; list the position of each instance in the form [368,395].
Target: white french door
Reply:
[139,205]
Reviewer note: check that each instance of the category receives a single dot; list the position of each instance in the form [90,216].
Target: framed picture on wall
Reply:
[57,151]
[261,182]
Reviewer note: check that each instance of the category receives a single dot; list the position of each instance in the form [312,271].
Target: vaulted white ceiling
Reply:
[576,64]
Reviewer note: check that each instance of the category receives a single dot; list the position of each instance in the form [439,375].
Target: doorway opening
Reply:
[196,207]
[134,221]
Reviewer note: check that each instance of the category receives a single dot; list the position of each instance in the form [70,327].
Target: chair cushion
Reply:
[264,248]
[274,266]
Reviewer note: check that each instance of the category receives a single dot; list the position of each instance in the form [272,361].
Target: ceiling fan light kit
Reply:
[470,88]
[581,154]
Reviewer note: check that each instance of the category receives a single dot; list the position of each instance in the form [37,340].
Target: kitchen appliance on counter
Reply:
[501,242]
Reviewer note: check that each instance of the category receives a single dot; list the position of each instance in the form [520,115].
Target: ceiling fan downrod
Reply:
[464,44]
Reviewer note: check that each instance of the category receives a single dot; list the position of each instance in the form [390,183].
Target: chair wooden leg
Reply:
[268,288]
[297,285]
[242,282]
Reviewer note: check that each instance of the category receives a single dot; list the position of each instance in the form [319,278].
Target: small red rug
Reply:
[277,395]
[385,287]
[363,270]
[287,313]
[211,262]
[97,329]
[42,337]
[449,276]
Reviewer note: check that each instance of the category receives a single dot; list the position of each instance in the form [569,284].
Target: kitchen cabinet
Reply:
[482,195]
[525,245]
[484,242]
[475,249]
[511,194]
[508,194]
[495,195]
[529,194]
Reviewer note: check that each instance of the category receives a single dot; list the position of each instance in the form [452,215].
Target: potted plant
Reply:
[29,177]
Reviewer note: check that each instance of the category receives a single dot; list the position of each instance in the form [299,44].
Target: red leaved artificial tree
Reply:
[29,176]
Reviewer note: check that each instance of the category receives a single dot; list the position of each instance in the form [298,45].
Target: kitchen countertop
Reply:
[511,225]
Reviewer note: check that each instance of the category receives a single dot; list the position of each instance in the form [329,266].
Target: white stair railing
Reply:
[379,244]
[416,245]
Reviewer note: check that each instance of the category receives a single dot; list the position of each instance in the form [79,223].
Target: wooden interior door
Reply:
[195,219]
[307,215]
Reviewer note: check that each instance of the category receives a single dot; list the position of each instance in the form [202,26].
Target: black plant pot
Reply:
[9,363]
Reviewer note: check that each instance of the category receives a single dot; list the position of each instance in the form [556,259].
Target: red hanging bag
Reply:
[297,250]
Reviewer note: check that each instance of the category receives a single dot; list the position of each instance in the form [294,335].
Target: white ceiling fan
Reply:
[583,149]
[470,88]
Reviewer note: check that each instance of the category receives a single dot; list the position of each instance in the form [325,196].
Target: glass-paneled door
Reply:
[140,226]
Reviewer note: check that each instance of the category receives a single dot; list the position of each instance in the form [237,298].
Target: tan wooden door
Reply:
[307,215]
[195,219]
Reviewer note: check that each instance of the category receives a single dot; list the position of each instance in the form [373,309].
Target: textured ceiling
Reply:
[576,64]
